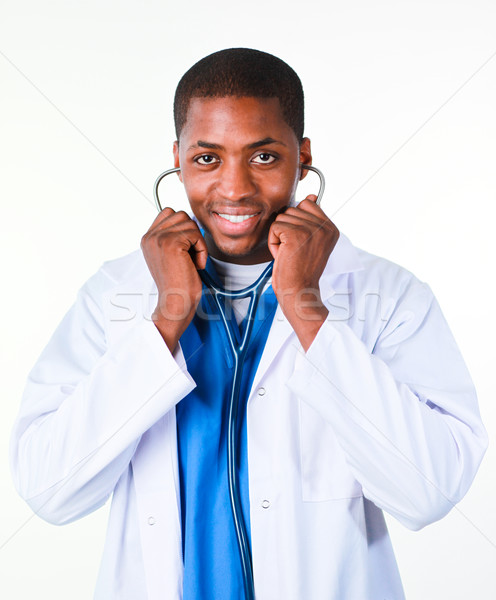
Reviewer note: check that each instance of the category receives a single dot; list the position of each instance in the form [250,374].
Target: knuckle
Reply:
[306,203]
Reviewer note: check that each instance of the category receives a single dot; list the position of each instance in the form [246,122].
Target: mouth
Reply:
[236,224]
[236,218]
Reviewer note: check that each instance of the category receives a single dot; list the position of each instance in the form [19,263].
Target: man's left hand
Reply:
[301,240]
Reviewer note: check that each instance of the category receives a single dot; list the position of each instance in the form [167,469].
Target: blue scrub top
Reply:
[212,566]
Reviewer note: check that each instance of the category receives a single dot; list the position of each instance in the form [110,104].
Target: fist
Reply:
[174,250]
[301,240]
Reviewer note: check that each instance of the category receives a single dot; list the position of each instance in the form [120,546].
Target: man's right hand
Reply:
[174,250]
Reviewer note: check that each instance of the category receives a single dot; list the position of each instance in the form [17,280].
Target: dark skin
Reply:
[239,164]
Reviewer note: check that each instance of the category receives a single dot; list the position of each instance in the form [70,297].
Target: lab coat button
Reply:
[265,504]
[151,521]
[261,391]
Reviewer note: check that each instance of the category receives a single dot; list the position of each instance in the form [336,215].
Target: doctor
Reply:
[357,398]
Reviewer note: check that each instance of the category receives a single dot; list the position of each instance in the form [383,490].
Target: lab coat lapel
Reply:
[280,331]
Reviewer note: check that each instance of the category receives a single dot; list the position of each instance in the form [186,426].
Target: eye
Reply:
[264,158]
[206,159]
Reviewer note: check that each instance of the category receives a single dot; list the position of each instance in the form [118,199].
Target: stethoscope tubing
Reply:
[238,347]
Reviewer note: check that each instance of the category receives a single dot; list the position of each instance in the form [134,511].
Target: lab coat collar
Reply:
[131,276]
[344,258]
[131,271]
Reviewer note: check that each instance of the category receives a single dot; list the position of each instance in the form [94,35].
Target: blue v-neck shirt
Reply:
[212,566]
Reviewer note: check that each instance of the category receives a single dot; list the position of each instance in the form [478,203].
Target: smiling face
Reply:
[239,164]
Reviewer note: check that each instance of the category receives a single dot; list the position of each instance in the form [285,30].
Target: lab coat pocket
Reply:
[325,474]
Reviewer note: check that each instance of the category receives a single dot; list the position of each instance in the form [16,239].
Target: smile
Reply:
[236,218]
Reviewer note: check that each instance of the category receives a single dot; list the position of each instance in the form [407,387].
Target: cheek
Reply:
[281,191]
[198,187]
[195,193]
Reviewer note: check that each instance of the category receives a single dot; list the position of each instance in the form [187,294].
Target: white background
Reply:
[86,125]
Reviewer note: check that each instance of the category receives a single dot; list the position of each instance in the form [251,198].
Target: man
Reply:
[356,398]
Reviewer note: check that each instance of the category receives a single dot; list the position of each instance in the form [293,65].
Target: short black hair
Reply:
[242,72]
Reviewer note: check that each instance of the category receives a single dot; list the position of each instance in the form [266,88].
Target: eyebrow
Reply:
[264,142]
[257,144]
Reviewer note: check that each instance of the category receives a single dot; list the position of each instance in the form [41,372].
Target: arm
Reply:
[87,403]
[85,407]
[406,414]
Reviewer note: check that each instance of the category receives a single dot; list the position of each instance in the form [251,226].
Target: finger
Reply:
[304,217]
[169,217]
[199,252]
[175,230]
[172,217]
[273,240]
[299,217]
[162,215]
[188,235]
[288,232]
[280,233]
[309,204]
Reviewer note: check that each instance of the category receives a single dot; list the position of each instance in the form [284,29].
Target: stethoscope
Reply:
[239,346]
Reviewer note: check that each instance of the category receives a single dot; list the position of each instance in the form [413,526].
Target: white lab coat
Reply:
[379,414]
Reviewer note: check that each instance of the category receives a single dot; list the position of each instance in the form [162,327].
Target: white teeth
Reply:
[236,218]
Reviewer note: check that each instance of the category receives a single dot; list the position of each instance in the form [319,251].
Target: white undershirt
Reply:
[236,277]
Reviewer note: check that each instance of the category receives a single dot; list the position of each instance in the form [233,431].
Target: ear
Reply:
[305,156]
[175,150]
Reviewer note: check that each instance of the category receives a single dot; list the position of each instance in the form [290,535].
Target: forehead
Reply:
[235,116]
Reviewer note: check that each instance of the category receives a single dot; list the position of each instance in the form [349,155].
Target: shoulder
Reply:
[362,272]
[130,270]
[121,269]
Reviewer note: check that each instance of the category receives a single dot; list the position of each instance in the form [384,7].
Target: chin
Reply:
[235,253]
[245,254]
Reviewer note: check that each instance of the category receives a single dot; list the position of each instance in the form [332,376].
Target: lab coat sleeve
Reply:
[85,406]
[405,413]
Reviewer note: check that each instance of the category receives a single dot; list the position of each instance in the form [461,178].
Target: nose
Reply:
[235,181]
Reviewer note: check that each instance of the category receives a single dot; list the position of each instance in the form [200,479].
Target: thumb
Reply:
[199,253]
[273,241]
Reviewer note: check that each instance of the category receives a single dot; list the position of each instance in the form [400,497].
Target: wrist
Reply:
[168,330]
[171,324]
[306,312]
